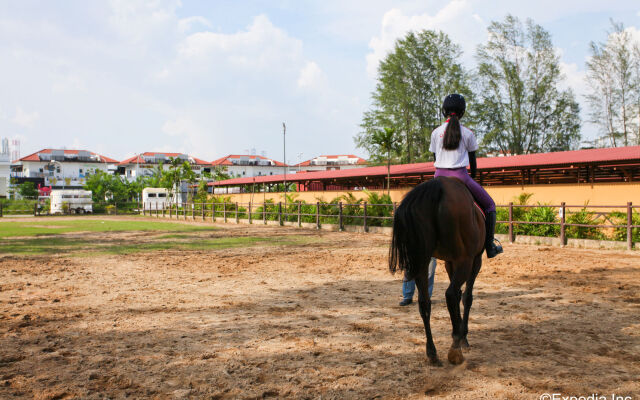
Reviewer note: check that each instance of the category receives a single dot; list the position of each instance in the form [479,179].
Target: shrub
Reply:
[583,217]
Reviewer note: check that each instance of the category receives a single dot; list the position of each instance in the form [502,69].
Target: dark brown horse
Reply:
[439,219]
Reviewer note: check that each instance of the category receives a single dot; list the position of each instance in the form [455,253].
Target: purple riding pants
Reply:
[479,194]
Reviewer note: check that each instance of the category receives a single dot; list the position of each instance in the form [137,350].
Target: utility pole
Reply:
[284,151]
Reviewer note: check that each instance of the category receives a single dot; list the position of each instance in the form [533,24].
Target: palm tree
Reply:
[385,141]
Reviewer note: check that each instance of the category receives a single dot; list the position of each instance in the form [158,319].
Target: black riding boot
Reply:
[489,243]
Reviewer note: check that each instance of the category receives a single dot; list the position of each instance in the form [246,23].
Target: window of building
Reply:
[41,170]
[243,172]
[58,170]
[80,170]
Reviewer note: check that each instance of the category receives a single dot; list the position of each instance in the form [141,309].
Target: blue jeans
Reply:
[409,287]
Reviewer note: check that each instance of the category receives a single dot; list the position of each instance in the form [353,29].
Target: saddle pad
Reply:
[481,210]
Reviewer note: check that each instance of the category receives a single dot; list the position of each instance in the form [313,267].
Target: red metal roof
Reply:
[34,156]
[590,156]
[138,159]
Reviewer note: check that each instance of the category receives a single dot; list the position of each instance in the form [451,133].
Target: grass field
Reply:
[87,237]
[21,228]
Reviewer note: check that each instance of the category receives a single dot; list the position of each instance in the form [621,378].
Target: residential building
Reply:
[332,163]
[5,170]
[60,168]
[251,165]
[143,164]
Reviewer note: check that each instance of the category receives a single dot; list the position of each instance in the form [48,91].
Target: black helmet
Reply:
[454,103]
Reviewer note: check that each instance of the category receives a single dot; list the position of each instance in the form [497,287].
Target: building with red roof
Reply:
[250,165]
[614,173]
[143,164]
[332,163]
[60,167]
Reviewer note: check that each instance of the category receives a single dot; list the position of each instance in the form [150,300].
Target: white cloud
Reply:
[136,20]
[261,45]
[456,19]
[187,24]
[25,119]
[311,76]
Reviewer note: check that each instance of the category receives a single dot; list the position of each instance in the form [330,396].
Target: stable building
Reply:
[597,176]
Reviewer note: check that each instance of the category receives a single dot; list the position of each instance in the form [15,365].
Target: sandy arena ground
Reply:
[318,320]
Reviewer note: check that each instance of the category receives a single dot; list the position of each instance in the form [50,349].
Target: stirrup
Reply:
[494,249]
[499,248]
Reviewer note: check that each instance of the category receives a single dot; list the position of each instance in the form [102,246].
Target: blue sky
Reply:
[212,78]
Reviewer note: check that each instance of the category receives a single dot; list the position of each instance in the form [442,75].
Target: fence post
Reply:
[395,207]
[237,215]
[157,211]
[184,211]
[0,210]
[279,213]
[203,204]
[249,207]
[115,208]
[511,238]
[264,213]
[629,223]
[35,209]
[563,228]
[299,219]
[224,211]
[366,228]
[317,215]
[193,211]
[213,211]
[340,215]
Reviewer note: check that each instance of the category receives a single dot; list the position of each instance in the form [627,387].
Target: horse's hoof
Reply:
[435,361]
[464,344]
[455,356]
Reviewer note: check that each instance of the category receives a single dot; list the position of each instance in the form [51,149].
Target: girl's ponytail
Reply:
[452,134]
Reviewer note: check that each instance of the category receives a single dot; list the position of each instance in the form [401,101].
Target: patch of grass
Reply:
[58,225]
[85,247]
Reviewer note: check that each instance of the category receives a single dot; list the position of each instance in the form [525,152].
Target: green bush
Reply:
[583,217]
[620,218]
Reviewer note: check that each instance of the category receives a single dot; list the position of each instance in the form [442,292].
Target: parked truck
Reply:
[71,201]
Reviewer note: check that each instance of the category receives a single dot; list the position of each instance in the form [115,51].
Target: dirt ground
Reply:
[313,320]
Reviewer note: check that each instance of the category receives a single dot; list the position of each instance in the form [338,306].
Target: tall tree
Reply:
[412,81]
[613,76]
[521,107]
[384,140]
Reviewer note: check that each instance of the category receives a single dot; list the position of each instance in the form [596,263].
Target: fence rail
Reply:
[582,221]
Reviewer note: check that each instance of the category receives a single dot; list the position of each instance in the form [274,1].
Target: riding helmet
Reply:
[454,103]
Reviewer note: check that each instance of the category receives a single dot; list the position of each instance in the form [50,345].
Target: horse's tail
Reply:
[412,239]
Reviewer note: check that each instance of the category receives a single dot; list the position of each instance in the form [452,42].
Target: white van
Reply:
[79,201]
[155,198]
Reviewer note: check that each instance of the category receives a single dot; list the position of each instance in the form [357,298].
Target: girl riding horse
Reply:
[454,147]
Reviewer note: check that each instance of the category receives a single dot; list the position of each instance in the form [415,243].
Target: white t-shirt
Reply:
[457,158]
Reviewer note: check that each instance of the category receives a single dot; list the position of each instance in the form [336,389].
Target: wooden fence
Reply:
[367,215]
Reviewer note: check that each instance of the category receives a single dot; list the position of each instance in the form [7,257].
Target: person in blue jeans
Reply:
[409,287]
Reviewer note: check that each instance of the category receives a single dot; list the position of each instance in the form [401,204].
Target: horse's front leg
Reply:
[424,305]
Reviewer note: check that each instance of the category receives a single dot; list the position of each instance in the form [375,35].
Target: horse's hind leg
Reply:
[467,300]
[424,304]
[453,294]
